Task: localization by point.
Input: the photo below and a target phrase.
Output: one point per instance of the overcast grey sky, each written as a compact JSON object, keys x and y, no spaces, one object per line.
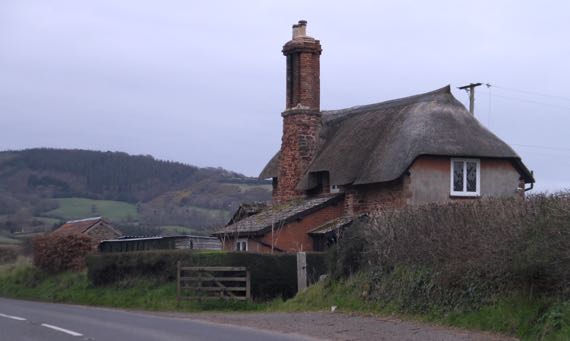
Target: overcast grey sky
{"x":203,"y":82}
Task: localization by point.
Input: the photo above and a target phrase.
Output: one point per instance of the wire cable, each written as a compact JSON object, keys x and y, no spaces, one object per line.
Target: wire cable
{"x":531,"y":101}
{"x":530,"y":92}
{"x":542,"y":147}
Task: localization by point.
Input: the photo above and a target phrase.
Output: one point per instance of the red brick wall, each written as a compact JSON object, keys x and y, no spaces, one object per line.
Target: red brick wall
{"x":228,"y":244}
{"x":375,"y":197}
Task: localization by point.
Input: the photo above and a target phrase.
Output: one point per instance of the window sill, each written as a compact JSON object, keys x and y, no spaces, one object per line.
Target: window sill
{"x":464,"y":196}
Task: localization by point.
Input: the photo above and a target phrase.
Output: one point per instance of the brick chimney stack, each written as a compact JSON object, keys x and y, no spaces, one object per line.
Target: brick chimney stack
{"x":302,"y":116}
{"x":303,"y":74}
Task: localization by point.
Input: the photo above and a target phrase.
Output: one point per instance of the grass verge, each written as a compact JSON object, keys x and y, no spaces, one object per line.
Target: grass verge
{"x":23,"y":281}
{"x":4,"y":240}
{"x":539,"y":318}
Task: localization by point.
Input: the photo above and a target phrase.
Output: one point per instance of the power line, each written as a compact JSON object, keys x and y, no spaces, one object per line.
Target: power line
{"x":531,"y":101}
{"x":471,"y":87}
{"x":561,"y":155}
{"x":561,"y":160}
{"x":542,"y":147}
{"x":530,"y":92}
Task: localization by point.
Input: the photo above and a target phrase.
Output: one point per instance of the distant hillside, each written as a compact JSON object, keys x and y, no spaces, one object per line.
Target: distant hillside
{"x":34,"y":181}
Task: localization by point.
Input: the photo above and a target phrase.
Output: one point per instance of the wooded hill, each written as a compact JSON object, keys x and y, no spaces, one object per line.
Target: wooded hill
{"x":41,"y":187}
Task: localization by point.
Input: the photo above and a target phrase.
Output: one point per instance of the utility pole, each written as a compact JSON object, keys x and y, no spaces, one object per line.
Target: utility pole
{"x":471,"y":90}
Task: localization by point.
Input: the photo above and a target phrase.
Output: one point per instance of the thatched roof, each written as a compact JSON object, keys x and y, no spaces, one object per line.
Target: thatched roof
{"x":277,"y":216}
{"x":379,"y":142}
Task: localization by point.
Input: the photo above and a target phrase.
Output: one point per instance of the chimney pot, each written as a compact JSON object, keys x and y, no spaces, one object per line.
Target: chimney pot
{"x":300,"y":29}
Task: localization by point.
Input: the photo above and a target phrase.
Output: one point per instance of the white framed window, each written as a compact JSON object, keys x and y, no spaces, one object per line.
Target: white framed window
{"x":335,"y":189}
{"x":465,"y":177}
{"x":241,"y":245}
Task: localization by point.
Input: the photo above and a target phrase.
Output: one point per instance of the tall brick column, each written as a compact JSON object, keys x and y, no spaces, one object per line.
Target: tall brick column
{"x":302,"y":117}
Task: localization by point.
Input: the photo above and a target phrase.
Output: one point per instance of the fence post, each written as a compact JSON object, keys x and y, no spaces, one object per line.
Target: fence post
{"x":301,"y":271}
{"x":248,"y":285}
{"x":178,"y":281}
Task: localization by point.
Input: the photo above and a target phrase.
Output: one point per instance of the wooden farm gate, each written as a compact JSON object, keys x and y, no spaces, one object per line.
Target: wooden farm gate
{"x":212,"y":282}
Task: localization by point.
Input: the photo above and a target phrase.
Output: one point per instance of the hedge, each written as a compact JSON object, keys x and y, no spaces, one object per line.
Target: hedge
{"x":461,"y":254}
{"x":271,"y":275}
{"x":7,"y":255}
{"x":56,"y":253}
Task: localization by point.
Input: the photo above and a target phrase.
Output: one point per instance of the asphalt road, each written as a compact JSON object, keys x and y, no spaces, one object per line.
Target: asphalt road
{"x":34,"y":321}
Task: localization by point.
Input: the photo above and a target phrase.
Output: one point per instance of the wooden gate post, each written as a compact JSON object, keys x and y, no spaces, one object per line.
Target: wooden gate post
{"x":178,"y":281}
{"x":301,"y":271}
{"x":248,"y":285}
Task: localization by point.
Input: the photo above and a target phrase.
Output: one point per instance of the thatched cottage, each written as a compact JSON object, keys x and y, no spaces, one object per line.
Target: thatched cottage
{"x":336,"y":165}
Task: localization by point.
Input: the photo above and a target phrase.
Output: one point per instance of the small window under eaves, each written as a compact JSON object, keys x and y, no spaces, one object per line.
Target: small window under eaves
{"x":465,"y":177}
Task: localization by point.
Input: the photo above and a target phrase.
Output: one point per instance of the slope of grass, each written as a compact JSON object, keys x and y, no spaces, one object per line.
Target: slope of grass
{"x":245,"y":187}
{"x":48,"y":221}
{"x":175,"y":229}
{"x":539,"y":318}
{"x":77,"y":208}
{"x":212,"y":212}
{"x":23,"y":281}
{"x":8,"y":240}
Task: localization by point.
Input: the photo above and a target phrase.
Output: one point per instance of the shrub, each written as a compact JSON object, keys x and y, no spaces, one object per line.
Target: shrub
{"x":27,"y":247}
{"x":271,"y":275}
{"x":55,"y":253}
{"x":7,"y":255}
{"x":466,"y":252}
{"x":348,"y":256}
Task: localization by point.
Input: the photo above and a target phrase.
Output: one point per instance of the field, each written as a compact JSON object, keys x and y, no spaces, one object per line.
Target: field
{"x":7,"y":240}
{"x":212,"y":212}
{"x":174,"y":229}
{"x":48,"y":221}
{"x":77,"y":208}
{"x":245,"y":187}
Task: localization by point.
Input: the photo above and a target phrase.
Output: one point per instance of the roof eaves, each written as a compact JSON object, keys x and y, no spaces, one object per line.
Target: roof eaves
{"x":299,"y":215}
{"x":83,"y":220}
{"x":280,"y":222}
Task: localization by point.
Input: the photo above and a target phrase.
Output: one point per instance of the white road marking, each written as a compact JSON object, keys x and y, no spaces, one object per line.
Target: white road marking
{"x":67,"y":331}
{"x":13,"y":317}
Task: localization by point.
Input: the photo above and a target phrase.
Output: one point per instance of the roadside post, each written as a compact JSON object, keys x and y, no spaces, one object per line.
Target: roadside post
{"x":301,"y":271}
